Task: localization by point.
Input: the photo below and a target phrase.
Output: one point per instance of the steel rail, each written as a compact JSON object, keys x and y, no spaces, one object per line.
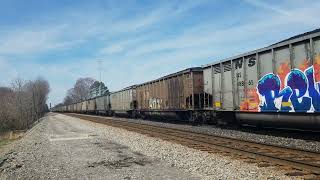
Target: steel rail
{"x":204,"y":134}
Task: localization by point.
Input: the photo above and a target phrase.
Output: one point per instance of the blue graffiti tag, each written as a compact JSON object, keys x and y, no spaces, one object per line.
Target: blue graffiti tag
{"x":300,"y":94}
{"x":313,"y":86}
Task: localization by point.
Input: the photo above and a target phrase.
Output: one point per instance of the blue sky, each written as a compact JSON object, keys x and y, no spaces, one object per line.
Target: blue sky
{"x":136,"y":40}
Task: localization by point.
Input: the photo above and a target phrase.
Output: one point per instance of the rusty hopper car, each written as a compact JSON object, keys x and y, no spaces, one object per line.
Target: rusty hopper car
{"x":176,"y":95}
{"x":273,"y":86}
{"x":124,"y":101}
{"x":103,"y":104}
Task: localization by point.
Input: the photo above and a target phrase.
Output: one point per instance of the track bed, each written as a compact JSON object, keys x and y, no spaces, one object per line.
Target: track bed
{"x":296,"y":162}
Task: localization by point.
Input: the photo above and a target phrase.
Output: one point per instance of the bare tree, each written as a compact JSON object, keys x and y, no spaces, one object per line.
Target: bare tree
{"x":42,"y":90}
{"x":74,"y":97}
{"x":80,"y":91}
{"x":22,"y":104}
{"x":6,"y":108}
{"x":68,"y":100}
{"x":82,"y":87}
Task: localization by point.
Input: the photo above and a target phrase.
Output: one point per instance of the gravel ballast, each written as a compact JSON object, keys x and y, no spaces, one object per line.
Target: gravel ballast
{"x":63,"y":147}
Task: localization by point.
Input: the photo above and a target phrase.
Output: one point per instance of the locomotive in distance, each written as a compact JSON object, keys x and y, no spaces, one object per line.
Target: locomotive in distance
{"x":275,"y":86}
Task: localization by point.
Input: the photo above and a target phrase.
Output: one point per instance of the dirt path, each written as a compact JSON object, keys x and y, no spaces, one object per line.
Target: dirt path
{"x":59,"y":148}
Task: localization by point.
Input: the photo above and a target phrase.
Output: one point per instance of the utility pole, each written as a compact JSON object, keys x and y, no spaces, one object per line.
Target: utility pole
{"x":100,"y":69}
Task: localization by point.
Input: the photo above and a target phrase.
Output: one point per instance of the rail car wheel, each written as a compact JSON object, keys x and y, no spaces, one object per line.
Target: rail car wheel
{"x":206,"y":117}
{"x":194,"y":118}
{"x":220,"y":119}
{"x":225,"y":118}
{"x":189,"y":117}
{"x":200,"y":119}
{"x":182,"y":116}
{"x":143,"y":116}
{"x":133,"y":115}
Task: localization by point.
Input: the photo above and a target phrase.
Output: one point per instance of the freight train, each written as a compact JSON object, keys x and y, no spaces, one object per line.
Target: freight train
{"x":275,"y":86}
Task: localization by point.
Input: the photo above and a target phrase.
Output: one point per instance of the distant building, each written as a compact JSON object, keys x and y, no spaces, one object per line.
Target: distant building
{"x":98,"y":89}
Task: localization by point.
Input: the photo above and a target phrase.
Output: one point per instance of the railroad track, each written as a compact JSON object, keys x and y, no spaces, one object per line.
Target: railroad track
{"x":294,"y":161}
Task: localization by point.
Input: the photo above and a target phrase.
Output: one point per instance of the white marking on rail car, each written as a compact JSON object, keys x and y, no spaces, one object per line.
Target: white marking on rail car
{"x":66,"y":138}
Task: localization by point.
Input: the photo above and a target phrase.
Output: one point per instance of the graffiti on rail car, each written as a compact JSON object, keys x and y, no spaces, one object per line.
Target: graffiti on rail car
{"x":155,"y":103}
{"x":251,"y":102}
{"x":291,"y":90}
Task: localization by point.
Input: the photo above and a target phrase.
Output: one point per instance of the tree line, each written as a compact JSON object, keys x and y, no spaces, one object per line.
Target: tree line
{"x":23,"y":103}
{"x":79,"y":92}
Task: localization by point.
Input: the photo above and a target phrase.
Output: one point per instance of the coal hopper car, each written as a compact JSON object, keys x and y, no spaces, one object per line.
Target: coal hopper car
{"x":278,"y":85}
{"x":123,"y":102}
{"x":103,"y":105}
{"x":178,"y":95}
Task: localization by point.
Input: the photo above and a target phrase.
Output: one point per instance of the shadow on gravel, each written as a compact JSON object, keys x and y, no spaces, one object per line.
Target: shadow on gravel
{"x":110,"y":146}
{"x":126,"y":158}
{"x":8,"y":162}
{"x":122,"y":163}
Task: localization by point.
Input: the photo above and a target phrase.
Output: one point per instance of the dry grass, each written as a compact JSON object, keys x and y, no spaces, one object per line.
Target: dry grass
{"x":4,"y":142}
